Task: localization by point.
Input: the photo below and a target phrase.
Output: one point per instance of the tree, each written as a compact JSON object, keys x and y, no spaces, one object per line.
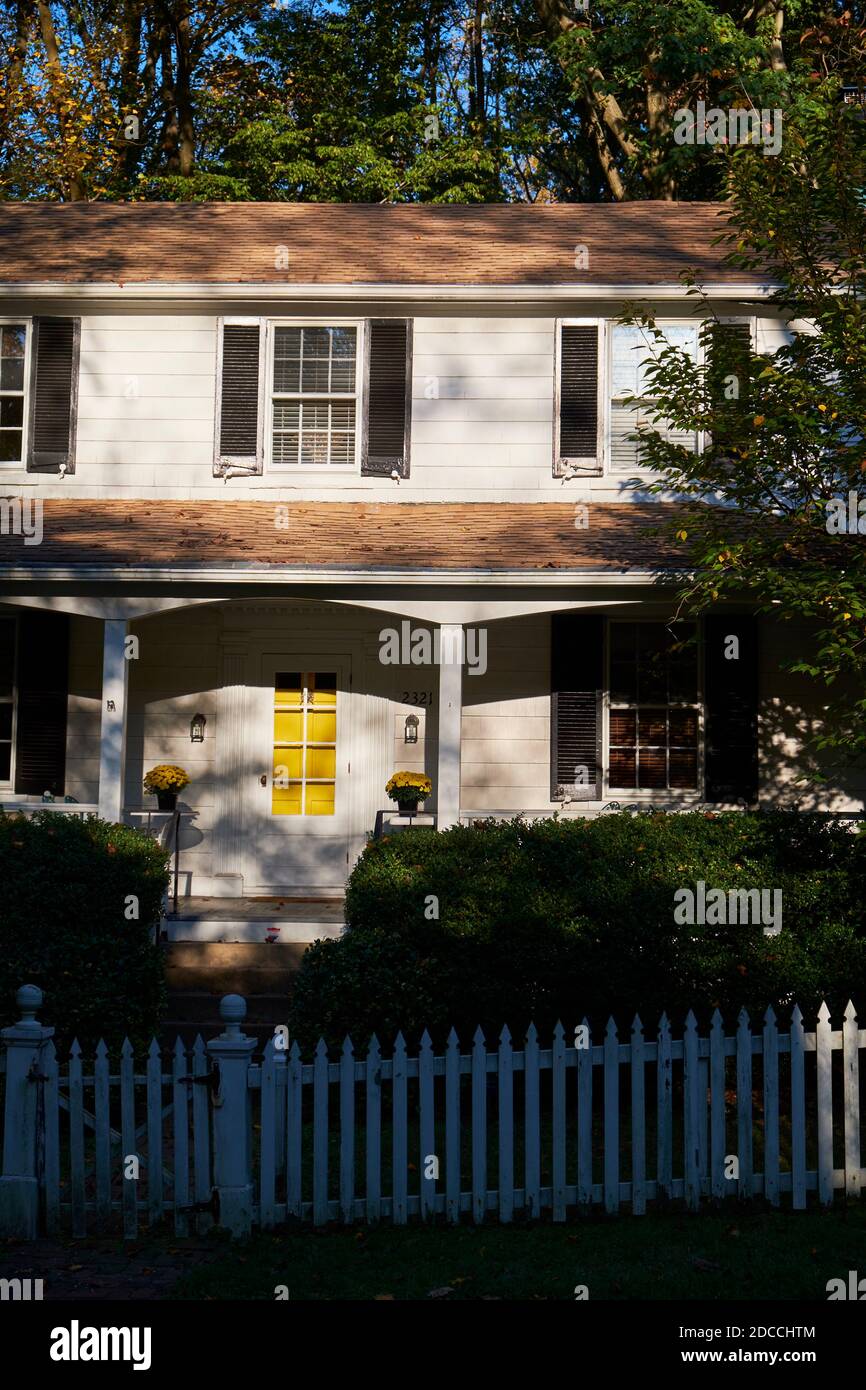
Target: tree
{"x":786,"y":458}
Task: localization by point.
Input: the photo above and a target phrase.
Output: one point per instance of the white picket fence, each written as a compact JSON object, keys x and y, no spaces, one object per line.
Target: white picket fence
{"x":217,"y":1135}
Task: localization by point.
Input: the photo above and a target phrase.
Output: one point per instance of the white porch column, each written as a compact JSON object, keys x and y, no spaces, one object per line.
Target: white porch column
{"x":451,"y":639}
{"x":112,"y":751}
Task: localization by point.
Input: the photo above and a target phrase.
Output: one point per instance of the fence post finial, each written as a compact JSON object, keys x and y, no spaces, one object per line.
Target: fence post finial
{"x":233,"y":1011}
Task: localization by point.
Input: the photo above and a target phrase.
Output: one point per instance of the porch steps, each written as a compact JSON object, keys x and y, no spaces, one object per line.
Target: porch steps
{"x":199,"y":973}
{"x":247,"y":920}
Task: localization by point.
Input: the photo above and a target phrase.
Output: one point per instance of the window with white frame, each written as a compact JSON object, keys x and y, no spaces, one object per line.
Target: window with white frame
{"x":631,"y":349}
{"x":315,"y":388}
{"x":13,"y":391}
{"x":7,"y":699}
{"x":654,"y":714}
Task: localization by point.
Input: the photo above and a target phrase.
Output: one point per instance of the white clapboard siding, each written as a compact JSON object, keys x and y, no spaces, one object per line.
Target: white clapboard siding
{"x":471,"y":386}
{"x":153,"y":384}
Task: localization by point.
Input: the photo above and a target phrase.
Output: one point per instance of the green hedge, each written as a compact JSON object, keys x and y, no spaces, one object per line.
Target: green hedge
{"x":561,"y":919}
{"x":66,"y":885}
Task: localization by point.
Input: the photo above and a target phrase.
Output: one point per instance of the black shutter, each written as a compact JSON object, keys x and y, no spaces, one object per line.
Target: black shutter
{"x":239,"y":438}
{"x":729,"y":350}
{"x":578,"y":397}
{"x":53,"y":395}
{"x":42,"y":697}
{"x":731,"y":704}
{"x":576,"y":683}
{"x":389,"y":398}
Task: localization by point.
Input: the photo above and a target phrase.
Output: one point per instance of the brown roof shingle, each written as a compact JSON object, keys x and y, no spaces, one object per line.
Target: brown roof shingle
{"x":384,"y":537}
{"x":328,"y":243}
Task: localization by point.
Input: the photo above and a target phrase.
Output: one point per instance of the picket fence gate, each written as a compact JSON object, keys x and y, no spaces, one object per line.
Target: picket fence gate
{"x":228,"y":1140}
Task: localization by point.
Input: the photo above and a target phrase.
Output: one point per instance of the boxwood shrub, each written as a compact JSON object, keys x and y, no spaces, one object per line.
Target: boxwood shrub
{"x":67,"y":886}
{"x":573,"y":918}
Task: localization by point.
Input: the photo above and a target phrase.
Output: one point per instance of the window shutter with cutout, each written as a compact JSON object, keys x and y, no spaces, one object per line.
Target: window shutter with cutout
{"x":576,"y":687}
{"x":389,"y":398}
{"x":53,"y":395}
{"x":577,"y":445}
{"x":239,"y":427}
{"x":42,"y":697}
{"x":731,"y":708}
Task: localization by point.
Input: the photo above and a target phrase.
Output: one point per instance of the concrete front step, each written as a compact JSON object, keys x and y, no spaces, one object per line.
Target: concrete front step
{"x":248,"y":920}
{"x":221,"y":968}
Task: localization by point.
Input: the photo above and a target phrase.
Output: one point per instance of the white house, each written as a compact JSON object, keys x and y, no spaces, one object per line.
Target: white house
{"x":278,"y":445}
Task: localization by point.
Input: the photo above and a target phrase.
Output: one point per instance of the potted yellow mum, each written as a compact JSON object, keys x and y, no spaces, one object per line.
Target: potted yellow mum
{"x":165,"y":781}
{"x":408,"y":789}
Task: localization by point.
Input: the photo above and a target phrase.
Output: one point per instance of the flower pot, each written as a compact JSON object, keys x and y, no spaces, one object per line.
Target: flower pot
{"x":166,"y":801}
{"x":408,"y":805}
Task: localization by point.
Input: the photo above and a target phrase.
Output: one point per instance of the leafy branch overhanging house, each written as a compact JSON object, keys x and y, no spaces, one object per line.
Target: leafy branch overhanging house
{"x":262,"y":435}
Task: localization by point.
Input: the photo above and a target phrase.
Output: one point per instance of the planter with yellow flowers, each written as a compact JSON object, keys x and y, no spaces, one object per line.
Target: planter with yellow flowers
{"x":165,"y":781}
{"x":408,"y":789}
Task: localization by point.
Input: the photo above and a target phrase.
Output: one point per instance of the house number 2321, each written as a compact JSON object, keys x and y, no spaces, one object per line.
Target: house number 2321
{"x":418,"y":697}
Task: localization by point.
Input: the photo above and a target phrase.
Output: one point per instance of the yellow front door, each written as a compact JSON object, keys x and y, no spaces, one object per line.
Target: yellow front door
{"x":305,"y":743}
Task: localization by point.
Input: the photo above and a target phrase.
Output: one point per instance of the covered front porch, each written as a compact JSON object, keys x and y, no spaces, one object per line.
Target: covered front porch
{"x":238,"y":690}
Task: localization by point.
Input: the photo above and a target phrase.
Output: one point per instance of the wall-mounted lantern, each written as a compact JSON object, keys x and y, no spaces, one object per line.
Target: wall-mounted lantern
{"x":410,"y":729}
{"x":196,"y":728}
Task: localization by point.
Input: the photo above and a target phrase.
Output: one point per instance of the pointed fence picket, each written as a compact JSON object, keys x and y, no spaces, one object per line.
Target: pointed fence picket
{"x":513,"y":1131}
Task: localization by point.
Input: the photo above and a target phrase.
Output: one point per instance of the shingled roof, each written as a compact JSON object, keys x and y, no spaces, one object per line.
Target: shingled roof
{"x":392,"y":537}
{"x":639,"y":243}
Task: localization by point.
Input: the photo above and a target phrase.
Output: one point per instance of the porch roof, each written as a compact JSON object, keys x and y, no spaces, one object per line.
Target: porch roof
{"x":410,"y":538}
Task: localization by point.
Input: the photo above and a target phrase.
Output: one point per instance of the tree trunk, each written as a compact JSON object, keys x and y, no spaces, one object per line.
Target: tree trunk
{"x":183,"y":94}
{"x":57,"y":81}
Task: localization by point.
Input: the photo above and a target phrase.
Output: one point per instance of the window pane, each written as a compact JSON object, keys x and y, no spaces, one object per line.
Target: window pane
{"x":6,"y":720}
{"x":12,"y":374}
{"x":684,"y":768}
{"x":652,"y":727}
{"x":288,"y":763}
{"x":5,"y":761}
{"x":684,"y":728}
{"x":12,"y":411}
{"x":13,"y":340}
{"x":652,"y":769}
{"x":325,"y":689}
{"x":10,"y":446}
{"x":321,"y":762}
{"x":622,"y":768}
{"x":622,"y":726}
{"x":288,"y":687}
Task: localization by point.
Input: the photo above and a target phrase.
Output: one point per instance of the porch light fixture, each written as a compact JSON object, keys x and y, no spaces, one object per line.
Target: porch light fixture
{"x":196,"y":728}
{"x":410,"y":729}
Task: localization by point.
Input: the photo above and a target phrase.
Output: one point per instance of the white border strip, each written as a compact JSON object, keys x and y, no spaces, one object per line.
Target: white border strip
{"x":518,"y":293}
{"x":259,"y":574}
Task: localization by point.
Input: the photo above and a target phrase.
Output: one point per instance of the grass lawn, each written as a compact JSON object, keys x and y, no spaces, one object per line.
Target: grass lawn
{"x":736,"y":1254}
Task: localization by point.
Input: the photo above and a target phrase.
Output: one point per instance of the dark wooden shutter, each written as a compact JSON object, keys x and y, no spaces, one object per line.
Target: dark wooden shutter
{"x":239,"y":435}
{"x":731,"y":707}
{"x":578,"y":397}
{"x":53,"y":395}
{"x":42,"y":697}
{"x":729,"y":355}
{"x":389,"y":398}
{"x":576,"y":681}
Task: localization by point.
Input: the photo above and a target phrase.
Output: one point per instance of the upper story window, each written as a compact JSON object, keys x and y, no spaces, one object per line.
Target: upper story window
{"x":315,"y":396}
{"x":631,"y":350}
{"x":13,"y":391}
{"x":653,"y":710}
{"x":7,"y":699}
